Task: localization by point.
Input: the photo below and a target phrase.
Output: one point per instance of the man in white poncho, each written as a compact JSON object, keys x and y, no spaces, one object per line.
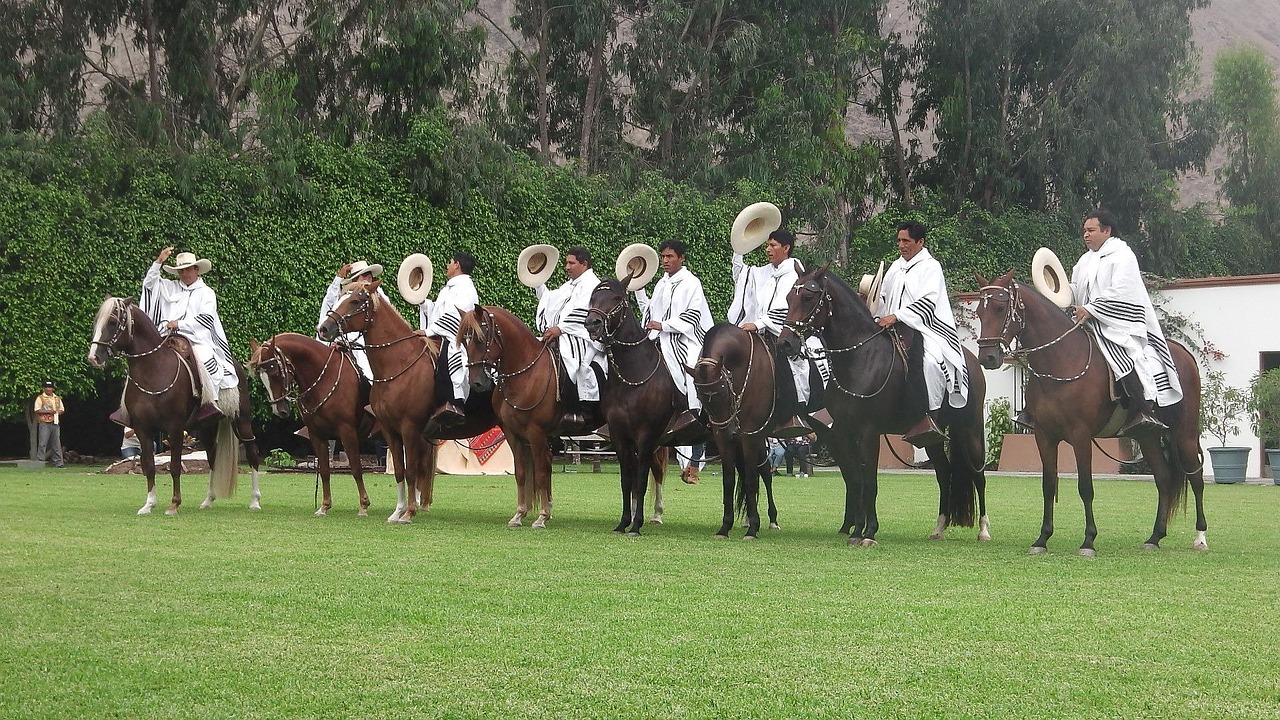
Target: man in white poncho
{"x":1112,"y":301}
{"x":914,"y":293}
{"x":561,"y":316}
{"x":442,"y":318}
{"x":347,"y":274}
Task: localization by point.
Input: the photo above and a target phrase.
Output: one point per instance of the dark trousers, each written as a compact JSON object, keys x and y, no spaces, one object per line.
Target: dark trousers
{"x":49,"y":440}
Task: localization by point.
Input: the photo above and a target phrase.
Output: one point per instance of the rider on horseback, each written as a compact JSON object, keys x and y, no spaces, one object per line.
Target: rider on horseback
{"x":347,"y":274}
{"x":678,"y":317}
{"x":188,"y":307}
{"x":562,"y":314}
{"x":442,"y":319}
{"x":1107,"y":288}
{"x":914,"y":293}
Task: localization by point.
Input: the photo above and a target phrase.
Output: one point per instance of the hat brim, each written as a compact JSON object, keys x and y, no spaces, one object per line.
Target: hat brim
{"x":626,"y":266}
{"x":536,"y":265}
{"x":372,"y":271}
{"x":203,"y":265}
{"x":873,"y":292}
{"x":1049,"y":277}
{"x":752,"y":226}
{"x":414,"y":278}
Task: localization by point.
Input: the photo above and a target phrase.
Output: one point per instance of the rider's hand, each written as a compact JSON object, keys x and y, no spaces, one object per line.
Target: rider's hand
{"x":1080,"y":313}
{"x":342,"y":271}
{"x":651,"y":325}
{"x":749,"y":327}
{"x":172,"y":325}
{"x":164,"y":254}
{"x":887,"y":321}
{"x":552,"y":332}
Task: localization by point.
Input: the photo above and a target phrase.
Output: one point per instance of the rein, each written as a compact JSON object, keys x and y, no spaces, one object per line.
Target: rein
{"x":366,"y":309}
{"x":124,"y":328}
{"x":807,"y":327}
{"x":735,"y":397}
{"x":1016,"y":308}
{"x":610,"y":339}
{"x":289,"y":378}
{"x":494,"y":367}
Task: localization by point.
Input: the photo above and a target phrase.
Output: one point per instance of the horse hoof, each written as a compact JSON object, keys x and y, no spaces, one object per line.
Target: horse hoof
{"x":171,"y":512}
{"x":539,"y":524}
{"x":254,"y":505}
{"x":869,"y":542}
{"x":1088,"y":552}
{"x":984,"y":536}
{"x":144,"y":510}
{"x":633,"y":533}
{"x":774,"y":526}
{"x":363,"y":513}
{"x":855,"y":541}
{"x":655,"y":521}
{"x":1150,"y":547}
{"x":935,"y":536}
{"x":719,"y":536}
{"x":405,"y":519}
{"x":1200,"y":546}
{"x":1038,"y":550}
{"x":206,"y":505}
{"x":748,"y":538}
{"x":320,"y":513}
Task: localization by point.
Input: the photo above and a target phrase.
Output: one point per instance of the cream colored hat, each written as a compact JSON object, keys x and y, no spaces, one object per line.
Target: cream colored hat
{"x":869,"y":288}
{"x":414,"y":278}
{"x":1050,"y":278}
{"x":752,"y":226}
{"x":186,"y":260}
{"x":361,"y":267}
{"x":639,"y":262}
{"x":536,"y":264}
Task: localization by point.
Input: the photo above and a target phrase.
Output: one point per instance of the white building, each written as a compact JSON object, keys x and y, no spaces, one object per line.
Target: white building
{"x":1239,"y":316}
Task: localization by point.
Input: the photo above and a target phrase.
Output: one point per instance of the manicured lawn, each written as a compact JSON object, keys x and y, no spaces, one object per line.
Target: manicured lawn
{"x":227,"y":613}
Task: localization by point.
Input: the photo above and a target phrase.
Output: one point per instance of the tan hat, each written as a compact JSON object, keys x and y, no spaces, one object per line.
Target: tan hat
{"x":638,"y":262}
{"x":414,"y":278}
{"x":1050,"y":278}
{"x":869,"y":288}
{"x":361,"y":267}
{"x":536,"y":264}
{"x":752,"y":226}
{"x":186,"y":260}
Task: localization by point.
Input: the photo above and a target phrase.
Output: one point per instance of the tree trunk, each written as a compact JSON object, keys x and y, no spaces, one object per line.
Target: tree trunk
{"x":590,"y":106}
{"x":544,"y":93}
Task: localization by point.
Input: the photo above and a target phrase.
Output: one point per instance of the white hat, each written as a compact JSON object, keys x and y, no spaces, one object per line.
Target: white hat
{"x":361,"y":267}
{"x":536,"y":264}
{"x":870,"y":287}
{"x":186,"y":260}
{"x":637,"y":261}
{"x":1049,"y":278}
{"x":752,"y":226}
{"x":414,"y":278}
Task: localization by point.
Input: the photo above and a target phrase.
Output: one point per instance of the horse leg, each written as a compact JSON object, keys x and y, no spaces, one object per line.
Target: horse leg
{"x":351,"y":444}
{"x":395,"y":455}
{"x":1191,"y":467}
{"x":942,"y":473}
{"x":849,"y":460}
{"x":148,"y":445}
{"x":1048,"y":450}
{"x":730,"y":462}
{"x":209,"y":441}
{"x":866,"y":522}
{"x":320,"y":447}
{"x":175,"y":470}
{"x":767,"y":473}
{"x":626,"y":478}
{"x":244,"y":430}
{"x":1084,"y":482}
{"x":427,"y":480}
{"x":523,"y":456}
{"x":1166,"y":490}
{"x":540,"y":455}
{"x":658,"y":471}
{"x":753,"y":457}
{"x":413,"y":458}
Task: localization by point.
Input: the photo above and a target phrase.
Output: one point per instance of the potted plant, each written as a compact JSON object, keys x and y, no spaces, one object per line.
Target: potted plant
{"x":1264,"y":401}
{"x":1222,"y":410}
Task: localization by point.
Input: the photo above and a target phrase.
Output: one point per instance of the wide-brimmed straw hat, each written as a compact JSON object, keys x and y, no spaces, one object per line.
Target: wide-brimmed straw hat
{"x":638,"y":262}
{"x":414,"y":278}
{"x":869,"y":287}
{"x":752,"y":226}
{"x":359,"y":268}
{"x":1050,"y":278}
{"x":536,"y":265}
{"x":186,"y":260}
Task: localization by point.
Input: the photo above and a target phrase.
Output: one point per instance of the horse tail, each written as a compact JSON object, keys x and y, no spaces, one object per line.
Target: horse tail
{"x":962,"y":491}
{"x":658,"y":466}
{"x":223,"y":471}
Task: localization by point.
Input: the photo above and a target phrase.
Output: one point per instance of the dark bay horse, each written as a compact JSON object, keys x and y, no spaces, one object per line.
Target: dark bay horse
{"x":162,"y":392}
{"x":734,"y":377}
{"x":1069,"y":396}
{"x":324,"y":382}
{"x":638,"y":397}
{"x":403,"y":394}
{"x":866,"y":399}
{"x":506,"y":357}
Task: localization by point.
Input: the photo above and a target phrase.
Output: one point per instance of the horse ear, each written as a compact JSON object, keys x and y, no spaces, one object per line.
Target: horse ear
{"x":1008,"y":276}
{"x":982,"y":280}
{"x":254,"y":345}
{"x":822,"y":271}
{"x":128,"y":301}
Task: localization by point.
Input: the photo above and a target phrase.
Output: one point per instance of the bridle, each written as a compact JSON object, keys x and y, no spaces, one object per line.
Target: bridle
{"x":493,"y":367}
{"x":724,"y":384}
{"x":124,"y":328}
{"x":280,"y":365}
{"x":610,"y":331}
{"x":366,"y":310}
{"x":1016,"y":314}
{"x":811,"y":325}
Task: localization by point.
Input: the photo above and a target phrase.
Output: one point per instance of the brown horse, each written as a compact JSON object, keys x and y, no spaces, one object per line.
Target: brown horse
{"x":162,"y":393}
{"x":1069,"y":396}
{"x":403,"y":395}
{"x":324,"y":382}
{"x":505,"y":357}
{"x":734,"y":377}
{"x":639,"y":399}
{"x":866,"y":399}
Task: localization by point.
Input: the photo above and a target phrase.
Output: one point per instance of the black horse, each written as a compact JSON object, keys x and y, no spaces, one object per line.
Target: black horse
{"x":638,"y":397}
{"x":866,"y":399}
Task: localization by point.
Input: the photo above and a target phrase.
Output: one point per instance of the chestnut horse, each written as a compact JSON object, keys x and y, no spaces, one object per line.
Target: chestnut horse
{"x":639,"y":399}
{"x":734,"y":377}
{"x":325,"y":384}
{"x":403,"y":395}
{"x":162,"y":392}
{"x":866,"y":399}
{"x":1069,"y":397}
{"x":505,"y":357}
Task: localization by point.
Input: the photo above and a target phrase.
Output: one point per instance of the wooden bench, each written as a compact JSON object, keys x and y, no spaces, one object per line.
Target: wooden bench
{"x":592,"y":446}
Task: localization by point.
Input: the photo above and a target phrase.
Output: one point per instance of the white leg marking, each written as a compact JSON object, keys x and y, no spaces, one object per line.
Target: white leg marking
{"x":939,"y":527}
{"x":984,"y":528}
{"x":149,"y":504}
{"x":254,"y":504}
{"x":1201,"y":542}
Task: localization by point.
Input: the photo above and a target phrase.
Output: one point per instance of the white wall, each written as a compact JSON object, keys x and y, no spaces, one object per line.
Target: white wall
{"x":1240,"y":316}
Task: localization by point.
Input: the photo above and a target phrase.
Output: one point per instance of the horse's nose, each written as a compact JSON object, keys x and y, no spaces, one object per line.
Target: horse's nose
{"x":593,"y":326}
{"x":327,"y":331}
{"x":990,"y":359}
{"x":280,"y":409}
{"x":483,"y":385}
{"x":789,"y":345}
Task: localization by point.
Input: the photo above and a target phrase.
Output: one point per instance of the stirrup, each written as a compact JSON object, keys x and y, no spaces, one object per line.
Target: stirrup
{"x":1140,"y":423}
{"x":449,"y":414}
{"x":207,"y":411}
{"x":1023,"y":418}
{"x":118,"y":417}
{"x":794,"y":427}
{"x":687,"y":428}
{"x":924,"y":433}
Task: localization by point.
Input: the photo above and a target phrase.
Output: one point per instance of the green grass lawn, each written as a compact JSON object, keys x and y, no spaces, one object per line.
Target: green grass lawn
{"x":232,"y":614}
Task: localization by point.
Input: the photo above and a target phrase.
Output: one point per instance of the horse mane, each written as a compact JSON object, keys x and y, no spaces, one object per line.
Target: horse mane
{"x":469,"y":324}
{"x":839,"y":290}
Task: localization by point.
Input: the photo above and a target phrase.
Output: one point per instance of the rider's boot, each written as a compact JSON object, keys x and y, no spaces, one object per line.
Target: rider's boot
{"x":924,"y":433}
{"x":1142,"y":416}
{"x":207,"y":411}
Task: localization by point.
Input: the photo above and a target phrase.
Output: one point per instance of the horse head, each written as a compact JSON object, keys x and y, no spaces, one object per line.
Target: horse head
{"x":271,"y":366}
{"x":112,"y":330}
{"x":353,"y":313}
{"x":605,"y":314}
{"x":808,"y":310}
{"x":479,"y":335}
{"x":1000,"y":318}
{"x":714,"y":389}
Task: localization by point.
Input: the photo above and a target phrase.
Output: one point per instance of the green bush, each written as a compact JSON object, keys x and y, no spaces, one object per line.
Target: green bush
{"x":999,"y":424}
